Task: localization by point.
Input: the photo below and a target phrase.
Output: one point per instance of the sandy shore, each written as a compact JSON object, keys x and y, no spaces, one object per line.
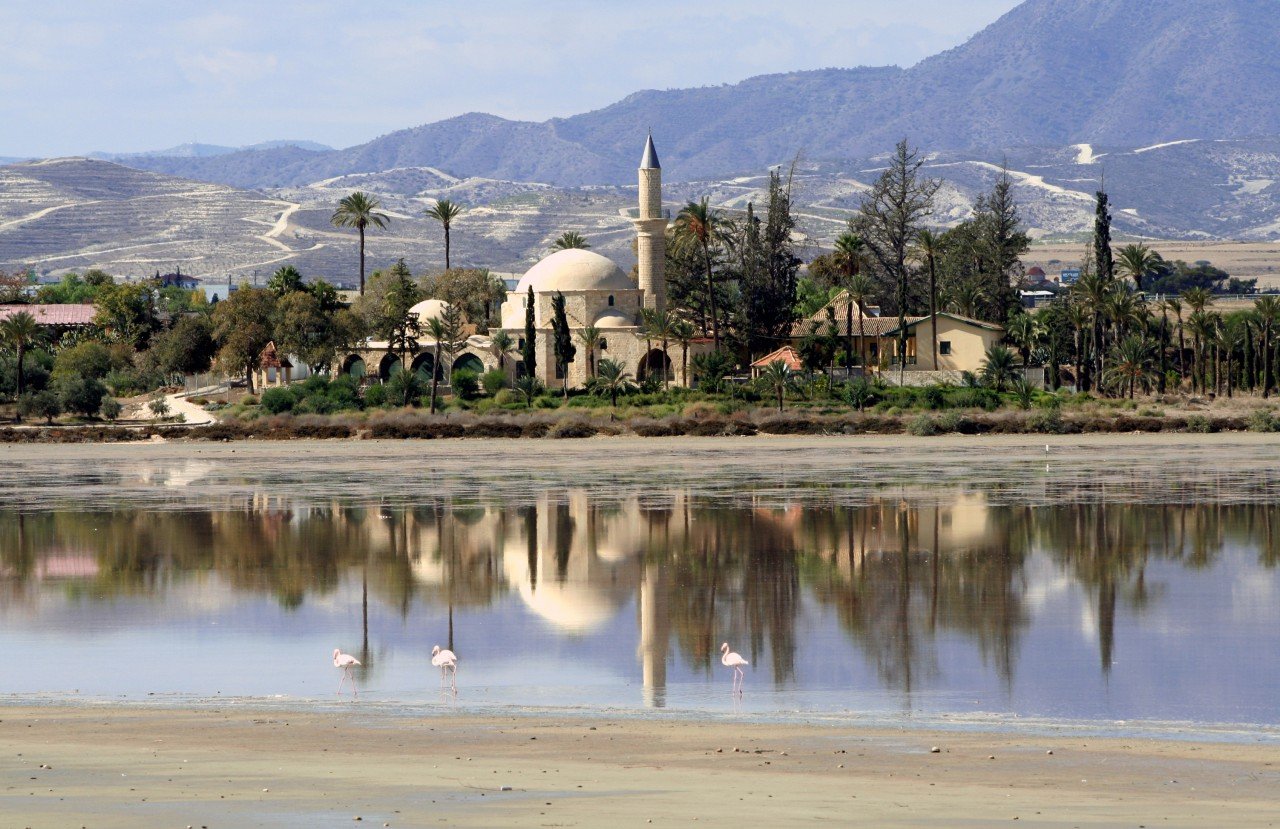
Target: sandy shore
{"x":135,"y":767}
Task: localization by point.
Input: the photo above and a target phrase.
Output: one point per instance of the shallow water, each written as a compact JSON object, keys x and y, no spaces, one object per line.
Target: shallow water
{"x":1088,"y":584}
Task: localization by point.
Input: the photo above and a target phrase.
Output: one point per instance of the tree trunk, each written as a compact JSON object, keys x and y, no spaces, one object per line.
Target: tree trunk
{"x":933,"y":309}
{"x":711,"y":297}
{"x":666,"y":361}
{"x":848,"y":331}
{"x":435,"y":377}
{"x":22,"y":356}
{"x":1266,"y":361}
{"x":448,"y":265}
{"x":361,"y":260}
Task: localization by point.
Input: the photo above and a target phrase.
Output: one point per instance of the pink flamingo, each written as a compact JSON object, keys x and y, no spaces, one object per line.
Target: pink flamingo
{"x":347,"y":663}
{"x":446,"y":660}
{"x":733,"y":660}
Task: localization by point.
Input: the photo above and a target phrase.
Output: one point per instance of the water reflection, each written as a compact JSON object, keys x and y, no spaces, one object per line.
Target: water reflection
{"x":933,"y":594}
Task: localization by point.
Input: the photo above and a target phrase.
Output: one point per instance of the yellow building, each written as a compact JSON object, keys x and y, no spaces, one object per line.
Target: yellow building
{"x":963,"y":343}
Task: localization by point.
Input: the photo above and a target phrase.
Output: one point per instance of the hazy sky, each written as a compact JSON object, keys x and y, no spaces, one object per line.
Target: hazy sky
{"x":127,"y":75}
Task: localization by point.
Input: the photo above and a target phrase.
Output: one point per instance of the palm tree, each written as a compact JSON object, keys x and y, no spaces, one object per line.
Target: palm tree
{"x":999,"y":368}
{"x":1078,"y":317}
{"x":444,"y":212}
{"x":359,"y":210}
{"x":1021,"y":330}
{"x":570,"y":240}
{"x":1137,"y":262}
{"x":684,"y":333}
{"x":590,"y":339}
{"x":776,"y":377}
{"x":502,"y":344}
{"x":1174,"y":306}
{"x":698,"y":223}
{"x":966,"y":298}
{"x":613,"y":378}
{"x":1130,"y":364}
{"x":851,"y":252}
{"x":1204,"y":330}
{"x":660,"y":325}
{"x":1268,"y":311}
{"x":285,"y":280}
{"x":20,"y":330}
{"x":438,"y":330}
{"x":1094,"y":291}
{"x":860,"y":289}
{"x":928,"y":249}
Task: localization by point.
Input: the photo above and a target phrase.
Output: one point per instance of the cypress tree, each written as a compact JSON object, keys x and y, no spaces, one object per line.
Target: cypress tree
{"x":562,"y":340}
{"x":530,"y":352}
{"x":1102,"y":238}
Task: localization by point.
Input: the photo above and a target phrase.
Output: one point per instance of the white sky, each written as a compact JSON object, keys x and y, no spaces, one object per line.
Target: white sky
{"x":131,"y":75}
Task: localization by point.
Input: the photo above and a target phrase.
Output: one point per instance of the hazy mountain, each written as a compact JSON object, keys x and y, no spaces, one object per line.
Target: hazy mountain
{"x":194,"y":150}
{"x":1048,"y":73}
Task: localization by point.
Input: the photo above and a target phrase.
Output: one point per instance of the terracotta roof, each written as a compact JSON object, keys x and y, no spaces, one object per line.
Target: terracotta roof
{"x":871,"y":326}
{"x":914,"y":321}
{"x":786,"y":354}
{"x":79,"y":314}
{"x":271,"y":358}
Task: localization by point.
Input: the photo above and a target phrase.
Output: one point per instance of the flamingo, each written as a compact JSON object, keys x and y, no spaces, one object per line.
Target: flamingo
{"x":734,"y":660}
{"x":346,"y":662}
{"x":445,"y":660}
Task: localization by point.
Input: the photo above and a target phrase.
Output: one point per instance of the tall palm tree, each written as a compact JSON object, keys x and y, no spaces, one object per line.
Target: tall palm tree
{"x":613,"y":378}
{"x":1021,"y":330}
{"x":1078,"y":317}
{"x":590,"y":339}
{"x":502,"y":343}
{"x":1204,"y":329}
{"x":1137,"y":262}
{"x":570,"y":240}
{"x":1174,"y":306}
{"x":928,"y":249}
{"x":1268,"y":311}
{"x":20,"y":331}
{"x":1094,"y":290}
{"x":444,"y":212}
{"x":438,"y":330}
{"x":860,"y":289}
{"x":698,"y":224}
{"x":1130,"y":364}
{"x":361,"y":211}
{"x":776,"y":377}
{"x":683,"y":332}
{"x":851,"y":252}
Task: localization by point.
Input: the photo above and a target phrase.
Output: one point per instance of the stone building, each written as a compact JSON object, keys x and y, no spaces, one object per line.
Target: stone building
{"x":597,"y":293}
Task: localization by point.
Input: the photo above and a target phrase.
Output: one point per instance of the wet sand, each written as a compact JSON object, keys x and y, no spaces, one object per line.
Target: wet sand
{"x":141,"y":767}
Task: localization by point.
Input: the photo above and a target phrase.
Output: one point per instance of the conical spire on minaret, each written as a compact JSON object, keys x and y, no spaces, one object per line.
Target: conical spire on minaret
{"x":650,"y":160}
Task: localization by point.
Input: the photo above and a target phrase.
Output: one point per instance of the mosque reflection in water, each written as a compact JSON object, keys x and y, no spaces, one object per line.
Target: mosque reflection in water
{"x":899,"y":572}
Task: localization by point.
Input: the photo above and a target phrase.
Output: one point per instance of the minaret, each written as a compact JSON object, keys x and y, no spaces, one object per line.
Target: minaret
{"x":651,"y":231}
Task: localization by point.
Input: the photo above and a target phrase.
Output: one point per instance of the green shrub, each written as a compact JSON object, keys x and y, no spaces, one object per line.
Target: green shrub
{"x":159,"y":407}
{"x":279,"y":400}
{"x":40,"y":404}
{"x":80,"y":395}
{"x":572,"y":428}
{"x":1262,"y":420}
{"x":405,"y":389}
{"x":466,"y":384}
{"x":110,"y":408}
{"x":249,"y":400}
{"x":507,"y":397}
{"x":934,"y":397}
{"x":923,"y":426}
{"x":375,"y":396}
{"x":1047,"y":422}
{"x":493,"y":381}
{"x":1199,"y":424}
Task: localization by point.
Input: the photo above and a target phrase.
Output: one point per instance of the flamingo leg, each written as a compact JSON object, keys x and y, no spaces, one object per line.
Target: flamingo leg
{"x":355,"y":692}
{"x":453,"y":679}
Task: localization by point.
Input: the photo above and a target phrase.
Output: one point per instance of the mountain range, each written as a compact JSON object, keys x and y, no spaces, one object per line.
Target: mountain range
{"x":1049,"y":73}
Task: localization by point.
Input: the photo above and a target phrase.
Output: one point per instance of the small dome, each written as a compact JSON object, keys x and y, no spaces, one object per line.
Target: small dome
{"x":429,"y":309}
{"x":613,"y":318}
{"x":575,"y":270}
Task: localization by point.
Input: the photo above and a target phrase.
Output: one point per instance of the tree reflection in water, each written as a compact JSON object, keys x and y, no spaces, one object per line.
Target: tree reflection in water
{"x":901,"y":571}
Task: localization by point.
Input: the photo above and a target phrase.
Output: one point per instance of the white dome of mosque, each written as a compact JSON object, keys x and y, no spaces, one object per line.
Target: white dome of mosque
{"x":575,"y":270}
{"x":429,"y":309}
{"x":613,"y":318}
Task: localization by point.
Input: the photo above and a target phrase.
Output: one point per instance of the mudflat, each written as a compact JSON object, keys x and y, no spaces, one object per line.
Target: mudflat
{"x":105,"y":767}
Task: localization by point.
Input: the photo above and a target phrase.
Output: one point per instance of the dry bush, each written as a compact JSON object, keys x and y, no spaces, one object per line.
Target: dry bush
{"x":649,"y":428}
{"x":495,"y":427}
{"x":571,"y":427}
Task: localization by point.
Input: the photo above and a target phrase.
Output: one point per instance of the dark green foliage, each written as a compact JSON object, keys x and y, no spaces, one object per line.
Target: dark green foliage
{"x":110,"y":408}
{"x":405,"y":389}
{"x":562,"y":339}
{"x":466,"y":384}
{"x":80,"y":395}
{"x":375,"y":396}
{"x":279,"y":400}
{"x":493,"y":381}
{"x":1104,"y":264}
{"x":529,"y":353}
{"x":40,"y":404}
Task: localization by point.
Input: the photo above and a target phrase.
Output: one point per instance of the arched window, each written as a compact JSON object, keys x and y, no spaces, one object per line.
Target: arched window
{"x":610,"y":300}
{"x":603,"y":343}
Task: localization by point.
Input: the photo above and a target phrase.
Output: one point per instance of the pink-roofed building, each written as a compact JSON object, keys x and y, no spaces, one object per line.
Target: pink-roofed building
{"x":69,"y":316}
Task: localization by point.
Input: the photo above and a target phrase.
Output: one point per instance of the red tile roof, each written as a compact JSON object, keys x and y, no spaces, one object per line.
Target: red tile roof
{"x":53,"y":314}
{"x":786,"y":354}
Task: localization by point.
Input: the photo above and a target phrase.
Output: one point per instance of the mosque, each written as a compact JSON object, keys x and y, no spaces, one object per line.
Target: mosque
{"x":597,"y":293}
